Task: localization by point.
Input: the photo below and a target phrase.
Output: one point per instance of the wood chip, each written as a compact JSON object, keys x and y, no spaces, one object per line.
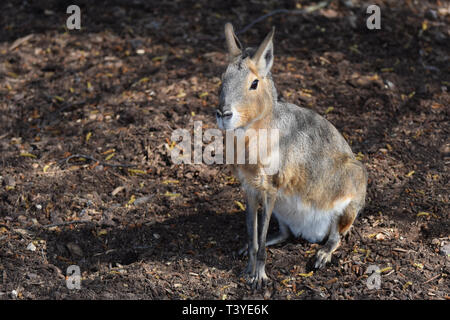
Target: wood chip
{"x":20,"y":41}
{"x":117,"y":190}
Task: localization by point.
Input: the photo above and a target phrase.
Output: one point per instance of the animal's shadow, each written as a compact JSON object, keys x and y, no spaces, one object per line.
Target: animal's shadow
{"x":207,"y":237}
{"x":210,"y":239}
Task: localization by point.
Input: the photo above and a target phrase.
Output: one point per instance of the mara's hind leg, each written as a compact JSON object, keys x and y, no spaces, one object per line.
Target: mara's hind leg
{"x":324,"y":254}
{"x":346,"y":220}
{"x":283,"y":234}
{"x":338,"y":228}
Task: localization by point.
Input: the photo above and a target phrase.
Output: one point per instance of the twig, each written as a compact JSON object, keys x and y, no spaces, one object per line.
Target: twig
{"x":433,"y":278}
{"x":102,"y":253}
{"x":5,"y":135}
{"x":309,"y":9}
{"x":312,"y":289}
{"x":20,"y":41}
{"x":66,"y":223}
{"x":400,"y":250}
{"x":114,"y":165}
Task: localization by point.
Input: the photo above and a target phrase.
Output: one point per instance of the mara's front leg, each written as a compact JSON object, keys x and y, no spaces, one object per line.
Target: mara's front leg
{"x":260,"y":278}
{"x":252,"y":233}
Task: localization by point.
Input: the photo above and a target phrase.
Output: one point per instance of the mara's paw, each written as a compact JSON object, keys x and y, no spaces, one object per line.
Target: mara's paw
{"x":257,"y":279}
{"x":260,"y":280}
{"x":322,"y":258}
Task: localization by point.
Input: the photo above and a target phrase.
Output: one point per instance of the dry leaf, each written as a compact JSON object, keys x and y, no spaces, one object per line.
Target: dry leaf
{"x":109,"y":151}
{"x":407,"y":284}
{"x":136,"y":171}
{"x":102,"y":232}
{"x":359,"y":156}
{"x":170,"y":182}
{"x":329,"y":109}
{"x":26,"y":154}
{"x":240,"y":205}
{"x":306,"y":275}
{"x":109,"y":156}
{"x":385,"y":269}
{"x":132,"y":199}
{"x":409,"y":174}
{"x":169,"y":194}
{"x":424,"y":25}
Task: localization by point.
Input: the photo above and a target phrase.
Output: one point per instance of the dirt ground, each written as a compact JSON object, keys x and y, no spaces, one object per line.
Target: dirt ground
{"x":115,"y":90}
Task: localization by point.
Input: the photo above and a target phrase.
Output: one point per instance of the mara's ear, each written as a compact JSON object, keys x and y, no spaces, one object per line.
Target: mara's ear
{"x":263,"y":58}
{"x":233,"y":44}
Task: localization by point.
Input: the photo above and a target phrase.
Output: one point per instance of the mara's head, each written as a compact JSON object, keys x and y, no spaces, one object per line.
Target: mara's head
{"x":247,"y":92}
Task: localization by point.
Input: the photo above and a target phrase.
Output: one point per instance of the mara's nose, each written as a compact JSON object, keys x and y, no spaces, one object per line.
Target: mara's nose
{"x":225,"y":115}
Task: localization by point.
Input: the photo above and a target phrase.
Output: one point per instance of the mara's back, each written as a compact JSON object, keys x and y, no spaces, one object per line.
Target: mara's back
{"x":307,"y":137}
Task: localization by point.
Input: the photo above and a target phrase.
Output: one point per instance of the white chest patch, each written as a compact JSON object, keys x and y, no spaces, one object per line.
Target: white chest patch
{"x":305,"y":221}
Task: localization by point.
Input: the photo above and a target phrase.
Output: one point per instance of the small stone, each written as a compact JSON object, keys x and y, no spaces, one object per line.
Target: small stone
{"x":31,"y":247}
{"x":389,"y":85}
{"x":380,"y":236}
{"x":140,"y":51}
{"x":14,"y":294}
{"x":445,"y":250}
{"x":38,"y":206}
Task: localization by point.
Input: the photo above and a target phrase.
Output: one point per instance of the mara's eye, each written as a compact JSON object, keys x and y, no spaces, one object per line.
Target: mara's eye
{"x":254,"y":84}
